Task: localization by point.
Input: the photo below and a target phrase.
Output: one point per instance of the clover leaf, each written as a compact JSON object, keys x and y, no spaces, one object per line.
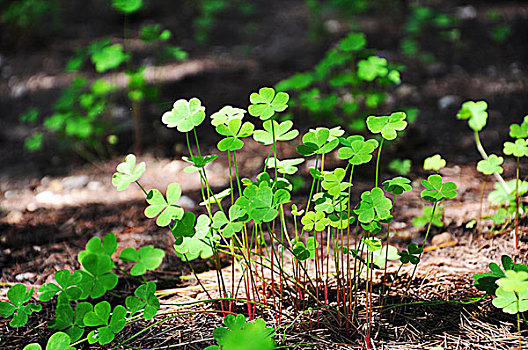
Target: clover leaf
{"x":240,"y":335}
{"x":353,"y":42}
{"x":227,"y":114}
{"x":286,"y":166}
{"x":379,"y":257}
{"x":96,"y":275}
{"x":517,"y":149}
{"x":371,"y":68}
{"x":319,"y":141}
{"x":519,"y":131}
{"x":329,"y":204}
{"x":357,"y":150}
{"x":64,"y":318}
{"x":373,"y":206}
{"x":257,"y":202}
{"x":510,"y":302}
{"x":67,"y":285}
{"x":487,"y":281}
{"x":400,"y":166}
{"x":334,"y":133}
{"x":274,"y":131}
{"x":127,"y":6}
{"x":499,"y":196}
{"x":144,"y":299}
{"x":185,"y":115}
{"x":18,"y":296}
{"x":315,"y":220}
{"x":304,"y":252}
{"x":514,"y":281}
{"x":228,"y":227}
{"x":333,"y":182}
{"x":147,"y":258}
{"x":476,"y":113}
{"x":127,"y":172}
{"x":109,"y":57}
{"x":198,"y":162}
{"x":166,"y":209}
{"x":436,"y":190}
{"x":435,"y":163}
{"x":106,"y":247}
{"x":199,"y":245}
{"x":58,"y":341}
{"x":234,"y":130}
{"x":412,"y":254}
{"x":265,"y":103}
{"x":387,"y":125}
{"x":491,"y":165}
{"x":107,"y":325}
{"x":397,"y":185}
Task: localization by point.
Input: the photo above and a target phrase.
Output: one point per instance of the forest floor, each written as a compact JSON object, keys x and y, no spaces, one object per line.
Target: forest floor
{"x":50,"y":206}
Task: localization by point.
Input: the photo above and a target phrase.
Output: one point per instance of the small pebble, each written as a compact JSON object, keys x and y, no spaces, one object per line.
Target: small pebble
{"x":14,"y":217}
{"x":25,"y":276}
{"x":443,"y":239}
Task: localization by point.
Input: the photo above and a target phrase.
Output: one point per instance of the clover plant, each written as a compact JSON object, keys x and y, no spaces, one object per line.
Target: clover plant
{"x":506,"y":193}
{"x":18,"y":306}
{"x":58,"y":341}
{"x":336,"y":87}
{"x":239,"y":334}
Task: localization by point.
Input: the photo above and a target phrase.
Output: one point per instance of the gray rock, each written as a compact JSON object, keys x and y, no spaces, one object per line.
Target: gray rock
{"x":466,"y":12}
{"x":448,"y":101}
{"x":72,"y":182}
{"x":186,"y":202}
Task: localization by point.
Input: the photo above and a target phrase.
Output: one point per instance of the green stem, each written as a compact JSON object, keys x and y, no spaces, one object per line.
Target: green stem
{"x":423,"y":245}
{"x":377,"y":161}
{"x":482,"y":152}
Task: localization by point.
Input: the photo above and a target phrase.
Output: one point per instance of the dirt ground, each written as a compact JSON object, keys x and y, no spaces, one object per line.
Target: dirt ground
{"x":52,"y":203}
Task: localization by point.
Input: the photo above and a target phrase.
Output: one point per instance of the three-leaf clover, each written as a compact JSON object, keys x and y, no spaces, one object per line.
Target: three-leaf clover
{"x":319,"y":141}
{"x":412,"y":254}
{"x":387,"y":125}
{"x":144,"y":299}
{"x":517,"y":149}
{"x":373,"y":206}
{"x":315,"y":220}
{"x":58,"y":341}
{"x":258,"y":203}
{"x":166,"y":209}
{"x":97,"y":277}
{"x":379,"y":257}
{"x":372,"y":67}
{"x":67,"y":285}
{"x":147,"y":258}
{"x":107,"y":325}
{"x":357,"y":150}
{"x":109,"y":57}
{"x":199,"y":245}
{"x":476,"y":113}
{"x":514,"y":281}
{"x":519,"y":131}
{"x":333,"y":182}
{"x":233,"y":131}
{"x":397,"y":185}
{"x":240,"y":335}
{"x":65,"y":321}
{"x":228,"y":227}
{"x":96,"y":246}
{"x":437,"y":190}
{"x":435,"y":163}
{"x":304,"y":252}
{"x":227,"y":114}
{"x":127,"y":172}
{"x":274,"y":131}
{"x":18,"y":296}
{"x":265,"y":103}
{"x":198,"y":162}
{"x":491,"y":165}
{"x":185,"y":115}
{"x":510,"y":302}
